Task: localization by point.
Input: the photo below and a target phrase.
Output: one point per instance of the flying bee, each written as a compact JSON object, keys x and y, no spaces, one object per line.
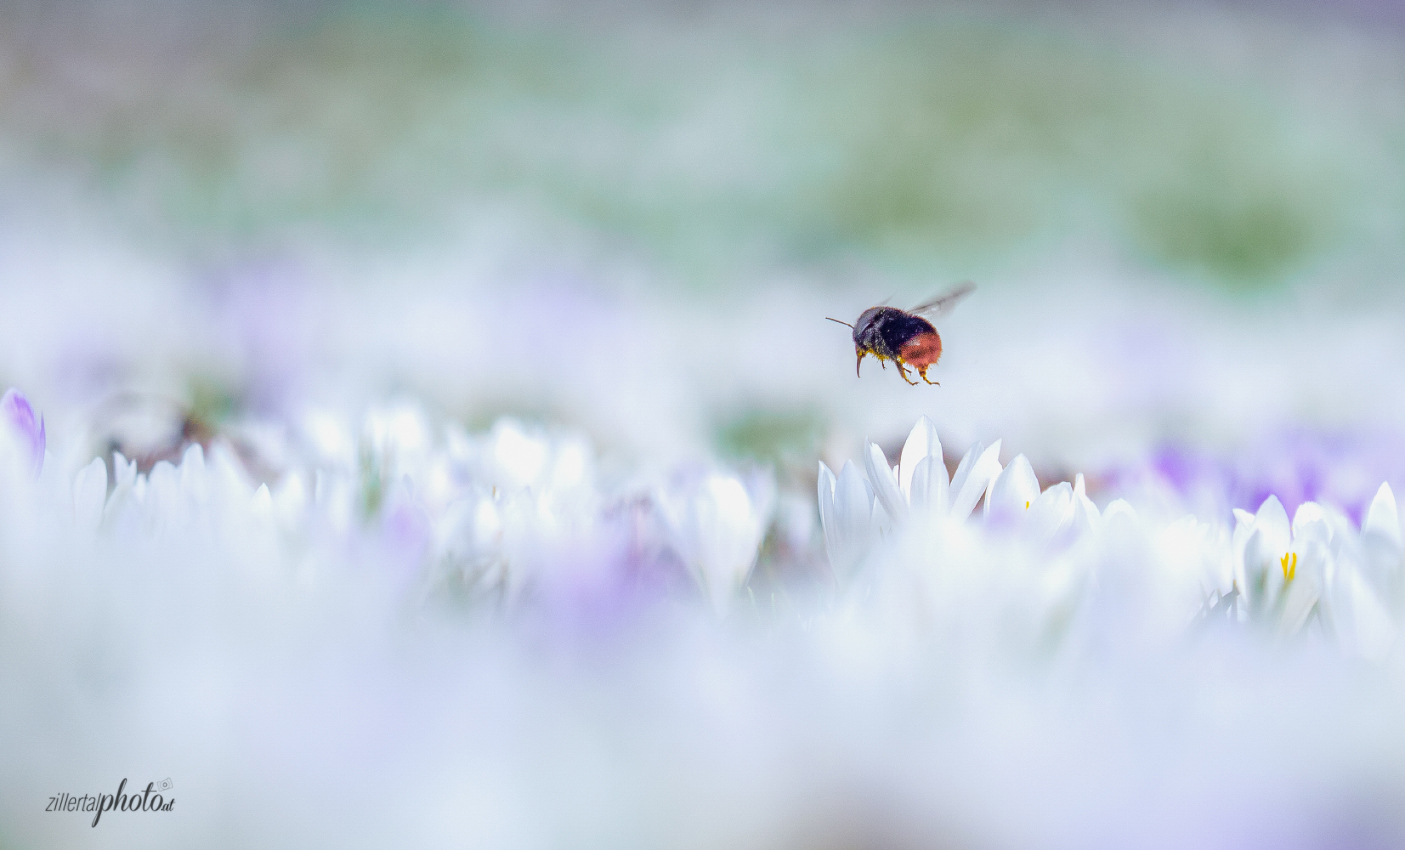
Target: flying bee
{"x":903,"y":336}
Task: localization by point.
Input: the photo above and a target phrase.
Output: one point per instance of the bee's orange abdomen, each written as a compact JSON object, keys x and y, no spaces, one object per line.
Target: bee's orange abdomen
{"x":922,"y":350}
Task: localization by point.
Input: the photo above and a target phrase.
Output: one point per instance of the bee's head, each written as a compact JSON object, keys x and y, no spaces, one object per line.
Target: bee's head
{"x":866,"y":326}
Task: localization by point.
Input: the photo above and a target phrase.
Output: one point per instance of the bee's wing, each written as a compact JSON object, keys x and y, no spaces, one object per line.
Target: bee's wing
{"x":944,"y":302}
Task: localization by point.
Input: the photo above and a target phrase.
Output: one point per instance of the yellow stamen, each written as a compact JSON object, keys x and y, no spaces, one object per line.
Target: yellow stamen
{"x":1289,"y":562}
{"x":1026,"y":505}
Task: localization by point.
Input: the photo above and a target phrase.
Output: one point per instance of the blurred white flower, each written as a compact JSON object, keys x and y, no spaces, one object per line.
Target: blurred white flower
{"x":515,"y":458}
{"x":855,"y":511}
{"x":850,"y":517}
{"x":1381,"y":551}
{"x":1201,"y":555}
{"x":330,"y":440}
{"x":1283,"y":579}
{"x":1319,"y":569}
{"x":717,"y":525}
{"x":1045,"y":584}
{"x":515,"y":509}
{"x":398,"y":433}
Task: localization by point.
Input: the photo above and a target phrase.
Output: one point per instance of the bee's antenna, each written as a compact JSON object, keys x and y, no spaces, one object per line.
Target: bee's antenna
{"x":836,"y":320}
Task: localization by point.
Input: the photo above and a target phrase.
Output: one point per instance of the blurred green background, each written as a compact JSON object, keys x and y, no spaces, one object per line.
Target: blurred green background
{"x":1239,"y":146}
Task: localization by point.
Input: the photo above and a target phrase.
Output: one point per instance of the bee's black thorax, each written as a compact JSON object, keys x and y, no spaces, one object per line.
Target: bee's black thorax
{"x":885,"y":330}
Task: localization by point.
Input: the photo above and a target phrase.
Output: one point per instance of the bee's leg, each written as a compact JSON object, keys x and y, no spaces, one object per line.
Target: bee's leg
{"x":923,"y":372}
{"x":857,"y":373}
{"x":903,"y":372}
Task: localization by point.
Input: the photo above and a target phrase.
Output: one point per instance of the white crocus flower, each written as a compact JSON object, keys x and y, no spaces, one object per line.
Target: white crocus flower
{"x":1200,"y":555}
{"x":399,"y":433}
{"x":514,"y":458}
{"x":850,"y":516}
{"x":1382,"y":549}
{"x":515,"y":508}
{"x":1319,"y":568}
{"x":854,"y":512}
{"x":1061,"y":513}
{"x":717,"y":528}
{"x":1365,"y":586}
{"x":473,"y":544}
{"x":329,"y":439}
{"x":1283,"y":579}
{"x":919,"y":480}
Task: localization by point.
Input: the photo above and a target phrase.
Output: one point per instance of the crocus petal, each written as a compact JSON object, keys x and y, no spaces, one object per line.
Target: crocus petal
{"x":879,"y":521}
{"x":1314,"y":563}
{"x":1120,"y":509}
{"x":1086,"y":516}
{"x":1272,"y":520}
{"x":853,"y":497}
{"x":290,"y":500}
{"x":978,"y":477}
{"x":885,"y":484}
{"x":1383,"y":518}
{"x":89,"y":493}
{"x":1310,"y":523}
{"x":922,"y":442}
{"x":1013,"y":490}
{"x":194,"y":484}
{"x":1307,"y":512}
{"x":852,"y":520}
{"x":124,"y":471}
{"x":929,"y":485}
{"x":963,"y":468}
{"x":1299,"y":597}
{"x":829,"y":525}
{"x":1366,"y":625}
{"x":717,"y":528}
{"x":518,"y":458}
{"x":1261,"y":554}
{"x":1051,"y":511}
{"x":1316,"y":531}
{"x":261,"y":505}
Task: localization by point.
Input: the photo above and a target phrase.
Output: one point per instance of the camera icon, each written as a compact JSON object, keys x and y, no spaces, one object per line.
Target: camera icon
{"x":165,"y":785}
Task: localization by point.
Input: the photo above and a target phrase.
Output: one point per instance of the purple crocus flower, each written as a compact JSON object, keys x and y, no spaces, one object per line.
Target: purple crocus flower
{"x":17,"y":412}
{"x":1296,"y":464}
